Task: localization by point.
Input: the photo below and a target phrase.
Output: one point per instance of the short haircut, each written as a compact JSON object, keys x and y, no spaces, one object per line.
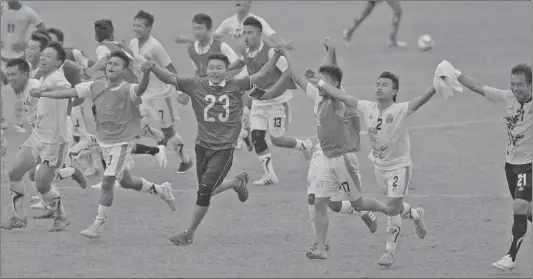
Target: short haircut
{"x":58,"y":33}
{"x":203,"y":19}
{"x":332,"y":71}
{"x":20,"y":63}
{"x":218,"y":56}
{"x":103,"y":29}
{"x":149,"y":18}
{"x":61,"y":55}
{"x":522,"y":69}
{"x":252,"y":21}
{"x":41,"y":38}
{"x":44,"y":33}
{"x":395,"y":81}
{"x":122,"y":55}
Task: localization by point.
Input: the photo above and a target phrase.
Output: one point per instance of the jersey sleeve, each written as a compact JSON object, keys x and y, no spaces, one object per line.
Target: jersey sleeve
{"x":224,"y":27}
{"x":228,"y":51}
{"x":33,"y":17}
{"x":84,"y":89}
{"x":61,"y":80}
{"x":244,"y":83}
{"x":311,"y":92}
{"x":496,"y":95}
{"x":161,"y":56}
{"x":282,"y":64}
{"x":102,"y":52}
{"x":403,"y":110}
{"x":267,"y":30}
{"x":186,"y":85}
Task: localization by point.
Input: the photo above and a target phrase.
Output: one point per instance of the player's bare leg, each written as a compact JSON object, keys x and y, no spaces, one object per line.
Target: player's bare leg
{"x":295,"y":143}
{"x":176,"y":143}
{"x":321,"y":228}
{"x":44,"y":177}
{"x":348,"y":33}
{"x":396,"y":18}
{"x":238,"y":184}
{"x":312,"y":219}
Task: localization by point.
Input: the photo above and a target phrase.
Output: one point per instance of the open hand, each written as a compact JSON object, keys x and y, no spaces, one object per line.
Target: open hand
{"x":147,"y":66}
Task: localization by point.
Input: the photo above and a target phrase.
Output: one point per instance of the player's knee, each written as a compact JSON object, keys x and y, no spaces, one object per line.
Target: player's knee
{"x":17,"y":187}
{"x":258,"y":139}
{"x":520,"y":206}
{"x":204,"y":195}
{"x":311,"y":199}
{"x":108,"y":182}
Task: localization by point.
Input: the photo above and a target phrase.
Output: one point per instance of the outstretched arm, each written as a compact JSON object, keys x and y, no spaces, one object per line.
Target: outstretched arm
{"x":267,"y":68}
{"x":471,"y":84}
{"x":419,"y":101}
{"x":185,"y":85}
{"x":298,"y":79}
{"x":59,"y":94}
{"x":334,"y":92}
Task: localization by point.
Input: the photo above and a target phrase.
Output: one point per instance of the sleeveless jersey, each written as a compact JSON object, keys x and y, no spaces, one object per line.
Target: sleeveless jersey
{"x":200,"y":60}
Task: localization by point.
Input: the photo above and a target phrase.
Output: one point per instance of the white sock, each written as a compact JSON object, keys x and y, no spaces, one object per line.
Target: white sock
{"x":266,"y":163}
{"x":149,"y":187}
{"x":410,"y":213}
{"x":394,"y":224}
{"x":101,"y":218}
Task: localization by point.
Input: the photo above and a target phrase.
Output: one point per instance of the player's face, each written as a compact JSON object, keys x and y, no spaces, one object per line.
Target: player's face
{"x":328,"y":80}
{"x":385,"y":89}
{"x":48,"y":60}
{"x":251,"y":35}
{"x":216,"y":70}
{"x":200,"y":31}
{"x":140,"y":28}
{"x":16,"y":78}
{"x":521,"y":89}
{"x":243,"y":6}
{"x":33,"y":51}
{"x":115,"y":68}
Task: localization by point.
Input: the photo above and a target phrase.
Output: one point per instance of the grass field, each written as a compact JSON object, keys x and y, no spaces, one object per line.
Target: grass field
{"x":457,"y":151}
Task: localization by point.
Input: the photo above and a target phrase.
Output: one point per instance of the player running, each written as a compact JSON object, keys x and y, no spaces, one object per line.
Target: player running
{"x":396,"y":17}
{"x":391,"y":149}
{"x":271,"y":113}
{"x":518,"y":117}
{"x":118,"y":120}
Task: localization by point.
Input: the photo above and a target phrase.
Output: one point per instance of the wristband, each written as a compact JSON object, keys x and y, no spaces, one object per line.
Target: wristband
{"x":320,"y":83}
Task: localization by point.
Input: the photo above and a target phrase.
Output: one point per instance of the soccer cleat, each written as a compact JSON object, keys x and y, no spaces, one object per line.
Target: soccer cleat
{"x":80,"y":178}
{"x":184,"y":167}
{"x":92,"y":232}
{"x":267,"y":180}
{"x":419,"y":225}
{"x":19,"y":128}
{"x":242,"y":190}
{"x":307,"y":146}
{"x":315,"y":247}
{"x":60,"y":224}
{"x":39,"y":205}
{"x":161,"y":157}
{"x":390,"y":43}
{"x":387,"y":259}
{"x":14,"y":223}
{"x":506,"y":263}
{"x":167,"y":195}
{"x":370,"y":220}
{"x":316,"y":255}
{"x":182,"y":239}
{"x":46,"y":214}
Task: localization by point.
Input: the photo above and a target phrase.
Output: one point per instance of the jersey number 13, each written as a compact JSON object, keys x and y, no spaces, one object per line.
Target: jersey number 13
{"x":212,"y":100}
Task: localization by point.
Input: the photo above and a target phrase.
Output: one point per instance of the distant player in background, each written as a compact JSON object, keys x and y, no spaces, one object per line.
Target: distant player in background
{"x":396,"y":17}
{"x":519,"y":119}
{"x":16,"y":21}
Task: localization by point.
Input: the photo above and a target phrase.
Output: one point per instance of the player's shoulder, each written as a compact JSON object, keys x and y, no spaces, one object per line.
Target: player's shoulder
{"x":33,"y":83}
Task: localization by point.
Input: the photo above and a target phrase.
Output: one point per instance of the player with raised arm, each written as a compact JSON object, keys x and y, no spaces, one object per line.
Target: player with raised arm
{"x":217,"y":103}
{"x":518,"y":118}
{"x":118,"y":121}
{"x":396,"y":17}
{"x":271,"y":113}
{"x":387,"y":123}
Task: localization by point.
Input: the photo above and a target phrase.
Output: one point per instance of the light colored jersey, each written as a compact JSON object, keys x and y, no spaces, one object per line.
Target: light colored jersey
{"x":233,"y":27}
{"x":51,"y":123}
{"x":15,"y":27}
{"x":156,"y":53}
{"x":29,"y":103}
{"x":518,"y":117}
{"x":388,"y":133}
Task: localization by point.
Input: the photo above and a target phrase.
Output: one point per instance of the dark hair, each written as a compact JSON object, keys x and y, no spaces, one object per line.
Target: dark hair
{"x":146,"y":16}
{"x":61,"y":55}
{"x":41,"y":38}
{"x":122,"y":55}
{"x":204,"y":19}
{"x":252,"y":21}
{"x":218,"y":56}
{"x":522,"y":69}
{"x":43,"y":33}
{"x":395,"y":82}
{"x":333,"y":72}
{"x":20,"y":63}
{"x":103,"y":30}
{"x":58,"y":33}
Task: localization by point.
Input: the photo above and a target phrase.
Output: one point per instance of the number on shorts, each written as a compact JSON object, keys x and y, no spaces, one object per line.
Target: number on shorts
{"x":380,"y":121}
{"x":10,"y":28}
{"x":277,"y":122}
{"x":345,"y":187}
{"x":161,"y":113}
{"x":395,"y":181}
{"x":521,"y":182}
{"x":109,"y":160}
{"x":222,"y":117}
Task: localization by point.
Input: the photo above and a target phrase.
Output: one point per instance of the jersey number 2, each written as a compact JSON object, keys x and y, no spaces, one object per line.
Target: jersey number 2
{"x":223,"y":117}
{"x":380,"y":121}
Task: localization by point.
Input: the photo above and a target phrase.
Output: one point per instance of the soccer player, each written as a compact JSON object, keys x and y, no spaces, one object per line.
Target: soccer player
{"x":518,"y":117}
{"x":158,"y":99}
{"x":391,"y":154}
{"x":217,"y":103}
{"x":271,"y":113}
{"x":396,"y":17}
{"x":119,"y":121}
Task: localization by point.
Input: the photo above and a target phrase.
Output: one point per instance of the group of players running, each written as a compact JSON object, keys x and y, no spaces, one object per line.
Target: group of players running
{"x":141,"y":83}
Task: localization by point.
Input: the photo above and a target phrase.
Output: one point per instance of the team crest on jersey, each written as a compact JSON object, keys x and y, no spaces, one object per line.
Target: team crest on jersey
{"x":390,"y":118}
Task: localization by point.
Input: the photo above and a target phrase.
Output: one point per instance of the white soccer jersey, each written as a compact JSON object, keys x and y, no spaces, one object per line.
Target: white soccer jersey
{"x":29,"y":103}
{"x":233,"y":27}
{"x":388,"y":133}
{"x":518,"y":117}
{"x":15,"y":27}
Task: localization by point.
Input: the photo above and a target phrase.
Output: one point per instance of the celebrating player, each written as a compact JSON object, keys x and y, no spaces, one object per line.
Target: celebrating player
{"x":391,"y":149}
{"x":119,"y":121}
{"x":518,"y":117}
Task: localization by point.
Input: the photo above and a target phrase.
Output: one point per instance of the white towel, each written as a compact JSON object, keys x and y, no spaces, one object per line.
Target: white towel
{"x":445,"y":80}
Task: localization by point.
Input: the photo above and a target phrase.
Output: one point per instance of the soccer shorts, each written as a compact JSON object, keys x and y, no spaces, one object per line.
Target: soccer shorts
{"x":51,"y":154}
{"x":273,"y":118}
{"x":335,"y":177}
{"x":519,"y":180}
{"x":393,"y":183}
{"x":212,"y":166}
{"x":118,"y":159}
{"x":78,"y":120}
{"x":161,"y":112}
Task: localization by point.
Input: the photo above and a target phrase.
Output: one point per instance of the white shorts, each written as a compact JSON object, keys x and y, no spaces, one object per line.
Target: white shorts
{"x":337,"y":178}
{"x":51,"y":154}
{"x":272,"y":118}
{"x":118,"y":159}
{"x":159,"y":111}
{"x":78,"y":120}
{"x":393,"y":183}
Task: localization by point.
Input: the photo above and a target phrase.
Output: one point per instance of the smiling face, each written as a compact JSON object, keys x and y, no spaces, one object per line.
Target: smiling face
{"x":33,"y":51}
{"x":216,"y":69}
{"x":49,"y":60}
{"x":141,"y":28}
{"x":16,"y":78}
{"x":520,"y":87}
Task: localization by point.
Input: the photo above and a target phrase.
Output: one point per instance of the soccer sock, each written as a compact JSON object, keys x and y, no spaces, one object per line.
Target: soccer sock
{"x":101,"y":218}
{"x":53,"y":199}
{"x":410,"y":213}
{"x":149,"y":187}
{"x":144,"y":149}
{"x":177,"y":144}
{"x":17,"y":198}
{"x":266,"y":163}
{"x":312,"y":218}
{"x":519,"y":231}
{"x":394,"y":224}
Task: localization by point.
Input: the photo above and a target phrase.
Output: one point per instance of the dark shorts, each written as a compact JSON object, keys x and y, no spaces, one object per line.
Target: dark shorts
{"x":519,"y":180}
{"x":212,"y":166}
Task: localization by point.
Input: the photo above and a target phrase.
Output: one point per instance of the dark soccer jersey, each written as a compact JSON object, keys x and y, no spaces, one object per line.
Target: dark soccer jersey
{"x":218,"y":110}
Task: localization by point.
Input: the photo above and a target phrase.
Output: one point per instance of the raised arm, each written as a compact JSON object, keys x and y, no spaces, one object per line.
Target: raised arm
{"x":334,"y":92}
{"x":298,"y":79}
{"x":471,"y":84}
{"x":419,"y":101}
{"x":185,"y":85}
{"x":145,"y":79}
